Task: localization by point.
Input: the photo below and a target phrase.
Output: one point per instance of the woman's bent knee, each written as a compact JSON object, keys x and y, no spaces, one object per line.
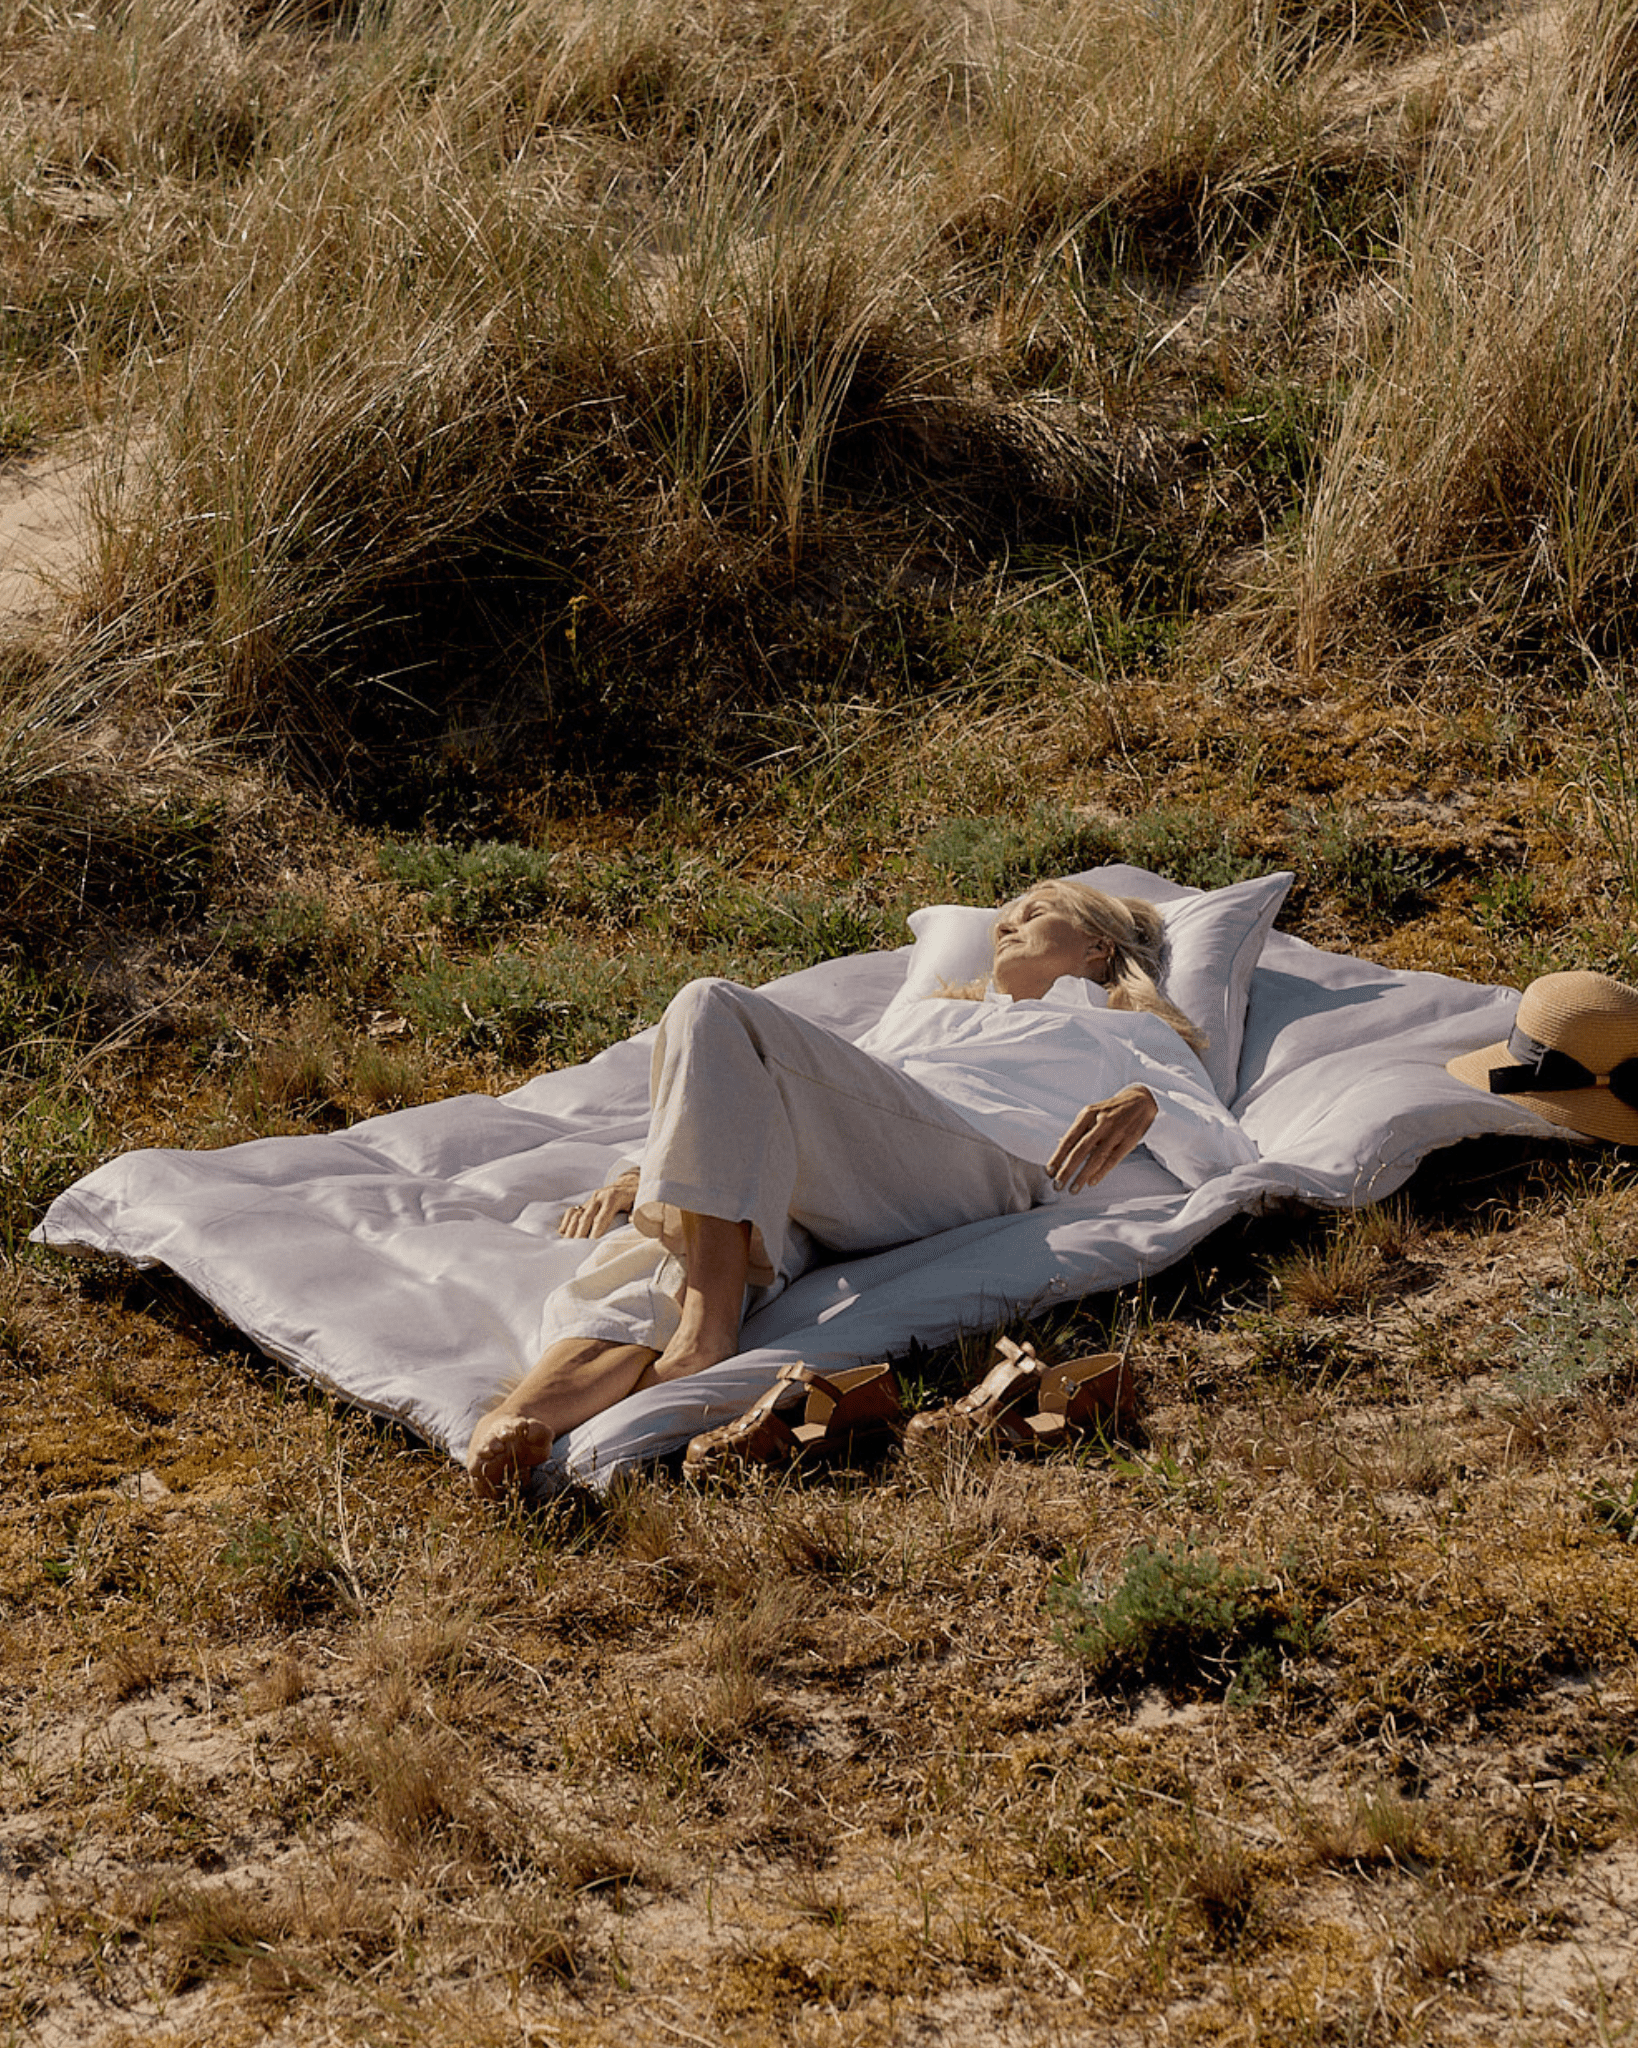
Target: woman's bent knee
{"x":713,"y":1005}
{"x":710,"y":992}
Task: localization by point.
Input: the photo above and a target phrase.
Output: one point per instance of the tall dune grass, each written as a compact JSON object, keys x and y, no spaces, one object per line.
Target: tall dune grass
{"x":432,"y":422}
{"x":589,"y":378}
{"x":1485,"y":477}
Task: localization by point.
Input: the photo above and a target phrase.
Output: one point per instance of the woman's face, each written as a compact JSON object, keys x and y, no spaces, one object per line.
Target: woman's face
{"x":1036,"y":941}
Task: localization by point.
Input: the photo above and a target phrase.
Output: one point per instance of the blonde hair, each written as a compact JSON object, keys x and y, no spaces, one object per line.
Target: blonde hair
{"x":1135,"y":933}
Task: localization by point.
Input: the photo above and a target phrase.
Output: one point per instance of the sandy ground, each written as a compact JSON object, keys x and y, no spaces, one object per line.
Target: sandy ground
{"x":42,"y":526}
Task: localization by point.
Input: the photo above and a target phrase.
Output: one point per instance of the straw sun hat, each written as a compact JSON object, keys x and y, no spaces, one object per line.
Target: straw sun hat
{"x":1572,"y":1056}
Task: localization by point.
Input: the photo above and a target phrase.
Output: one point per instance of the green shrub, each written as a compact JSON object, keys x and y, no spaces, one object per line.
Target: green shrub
{"x":1273,"y":433}
{"x":798,"y":929}
{"x":1506,"y":903}
{"x":1569,"y":1336}
{"x":294,"y":948}
{"x":48,"y":1137}
{"x":17,"y":430}
{"x":554,"y":1009}
{"x":1179,"y":1617}
{"x":288,"y":1565}
{"x":988,"y":859}
{"x":637,"y":886}
{"x":1189,"y":844}
{"x":1340,"y":854}
{"x":474,"y":888}
{"x":1611,"y":1508}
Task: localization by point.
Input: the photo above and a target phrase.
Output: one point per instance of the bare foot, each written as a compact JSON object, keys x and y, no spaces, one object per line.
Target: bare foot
{"x":504,"y":1450}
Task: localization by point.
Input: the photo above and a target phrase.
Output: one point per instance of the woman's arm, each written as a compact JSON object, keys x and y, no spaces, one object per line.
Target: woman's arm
{"x":1101,"y":1136}
{"x":600,"y":1212}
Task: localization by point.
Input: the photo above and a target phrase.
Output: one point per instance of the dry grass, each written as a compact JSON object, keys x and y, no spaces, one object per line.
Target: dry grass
{"x":508,"y":370}
{"x":1503,"y":500}
{"x":713,"y":1755}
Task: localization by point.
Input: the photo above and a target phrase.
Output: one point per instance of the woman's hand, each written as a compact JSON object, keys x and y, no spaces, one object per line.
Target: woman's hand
{"x":1101,"y":1136}
{"x":600,"y":1212}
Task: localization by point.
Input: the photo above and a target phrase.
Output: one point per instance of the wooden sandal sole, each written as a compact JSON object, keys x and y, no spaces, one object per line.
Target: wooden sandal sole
{"x":842,"y":1412}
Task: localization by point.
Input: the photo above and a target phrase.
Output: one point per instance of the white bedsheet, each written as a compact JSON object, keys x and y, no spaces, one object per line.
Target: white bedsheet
{"x":404,"y":1263}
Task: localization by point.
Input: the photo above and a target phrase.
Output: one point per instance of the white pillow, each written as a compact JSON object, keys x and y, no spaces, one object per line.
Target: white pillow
{"x":1214,"y":939}
{"x":952,"y":947}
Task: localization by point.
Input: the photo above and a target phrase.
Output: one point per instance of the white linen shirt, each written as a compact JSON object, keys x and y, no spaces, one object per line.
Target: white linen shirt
{"x":1021,"y":1072}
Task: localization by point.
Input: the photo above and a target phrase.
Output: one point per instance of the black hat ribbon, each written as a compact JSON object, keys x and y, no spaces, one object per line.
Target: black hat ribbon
{"x":1544,"y":1069}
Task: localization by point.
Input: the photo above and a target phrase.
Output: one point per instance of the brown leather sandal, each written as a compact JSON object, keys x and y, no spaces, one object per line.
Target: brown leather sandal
{"x":1083,"y":1397}
{"x":1011,"y":1383}
{"x":1024,"y":1405}
{"x":843,"y":1412}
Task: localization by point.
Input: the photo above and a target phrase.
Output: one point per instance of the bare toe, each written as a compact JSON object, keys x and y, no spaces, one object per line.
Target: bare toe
{"x":504,"y":1450}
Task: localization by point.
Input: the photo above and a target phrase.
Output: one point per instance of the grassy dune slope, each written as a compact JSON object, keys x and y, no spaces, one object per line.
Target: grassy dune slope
{"x":584,"y":497}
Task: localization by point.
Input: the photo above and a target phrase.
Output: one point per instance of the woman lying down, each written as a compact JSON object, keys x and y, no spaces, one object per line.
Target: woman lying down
{"x":774,"y":1142}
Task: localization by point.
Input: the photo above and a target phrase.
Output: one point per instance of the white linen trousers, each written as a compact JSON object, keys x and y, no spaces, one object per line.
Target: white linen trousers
{"x":761,"y":1116}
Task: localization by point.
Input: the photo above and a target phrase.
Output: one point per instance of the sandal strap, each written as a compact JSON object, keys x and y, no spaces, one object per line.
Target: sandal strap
{"x":1007,"y":1382}
{"x":797,"y":1374}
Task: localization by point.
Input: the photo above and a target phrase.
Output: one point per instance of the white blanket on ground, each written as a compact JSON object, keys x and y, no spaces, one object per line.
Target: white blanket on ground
{"x":404,"y":1263}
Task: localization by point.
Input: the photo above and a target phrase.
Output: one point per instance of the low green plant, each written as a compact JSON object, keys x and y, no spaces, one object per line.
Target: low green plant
{"x":635,"y":886}
{"x":1273,"y":432}
{"x":18,"y":428}
{"x":1110,"y":617}
{"x":1340,"y":854}
{"x":799,"y":928}
{"x":1190,"y":844}
{"x":987,"y":859}
{"x":478,"y":888}
{"x":1616,"y":1509}
{"x":1301,"y":1352}
{"x":1506,"y":903}
{"x":555,"y":1008}
{"x":1180,"y":1616}
{"x":297,"y":948}
{"x":1569,"y":1336}
{"x":49,"y":1136}
{"x":288,"y":1564}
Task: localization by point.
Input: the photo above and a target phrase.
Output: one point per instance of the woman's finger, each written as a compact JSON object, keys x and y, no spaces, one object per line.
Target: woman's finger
{"x":1100,"y":1138}
{"x":599,"y":1212}
{"x":1091,"y":1160}
{"x":1070,"y":1144}
{"x":1092,"y":1133}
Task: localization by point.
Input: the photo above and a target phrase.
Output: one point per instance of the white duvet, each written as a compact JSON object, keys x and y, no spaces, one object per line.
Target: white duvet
{"x":404,"y":1263}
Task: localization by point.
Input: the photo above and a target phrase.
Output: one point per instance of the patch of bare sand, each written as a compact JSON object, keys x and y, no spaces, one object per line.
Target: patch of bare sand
{"x":42,"y":533}
{"x":1580,"y":1980}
